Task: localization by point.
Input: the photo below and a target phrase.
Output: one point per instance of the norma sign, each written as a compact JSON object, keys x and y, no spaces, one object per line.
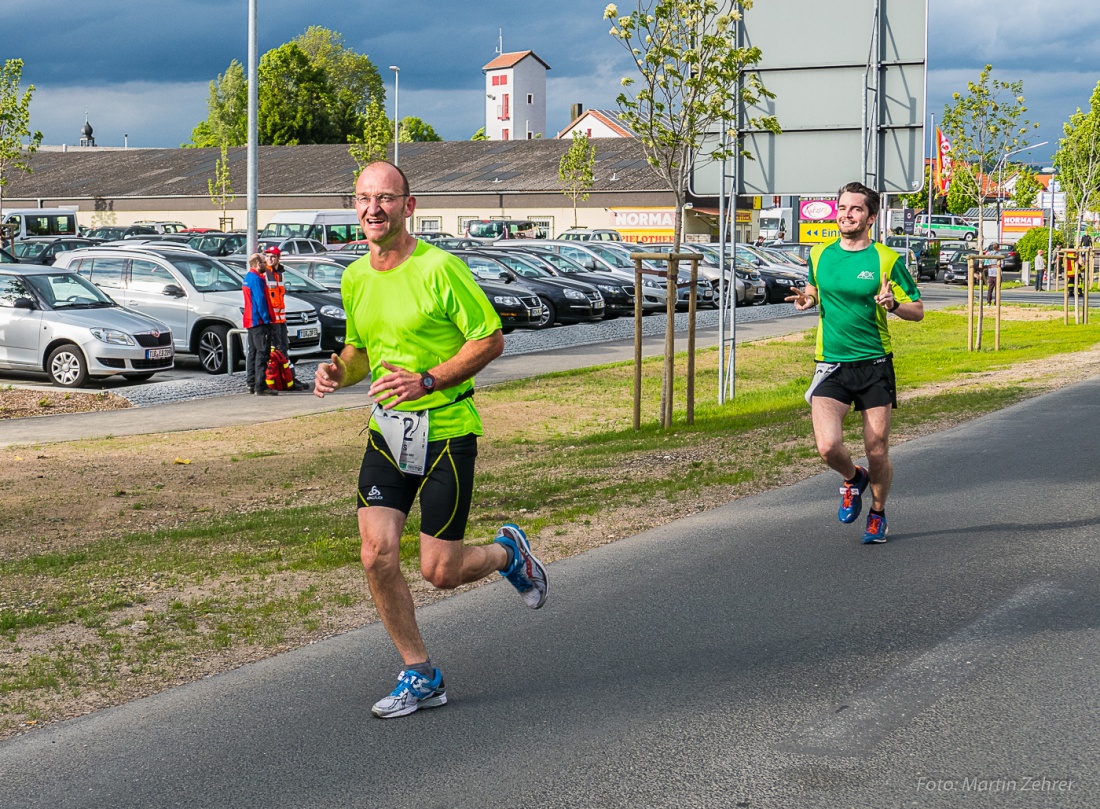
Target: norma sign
{"x":645,"y":225}
{"x":1021,"y":221}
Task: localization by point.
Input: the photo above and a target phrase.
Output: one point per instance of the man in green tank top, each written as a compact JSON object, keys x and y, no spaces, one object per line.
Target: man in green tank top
{"x":419,"y":328}
{"x":856,"y":282}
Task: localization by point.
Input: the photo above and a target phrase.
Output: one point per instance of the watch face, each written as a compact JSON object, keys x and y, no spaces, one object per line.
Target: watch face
{"x":428,"y":381}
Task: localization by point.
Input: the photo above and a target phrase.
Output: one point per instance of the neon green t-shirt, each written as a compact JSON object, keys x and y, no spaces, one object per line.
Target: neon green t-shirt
{"x":851,"y":326}
{"x":416,"y":316}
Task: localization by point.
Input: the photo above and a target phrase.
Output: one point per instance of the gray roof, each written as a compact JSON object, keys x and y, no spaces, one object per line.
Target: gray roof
{"x":448,"y":167}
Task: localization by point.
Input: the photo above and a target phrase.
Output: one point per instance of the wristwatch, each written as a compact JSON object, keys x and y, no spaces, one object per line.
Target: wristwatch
{"x":427,"y":381}
{"x":895,"y":306}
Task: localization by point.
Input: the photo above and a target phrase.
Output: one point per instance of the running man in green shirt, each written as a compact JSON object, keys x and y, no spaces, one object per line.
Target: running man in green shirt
{"x":855,"y":282}
{"x":420,"y":328}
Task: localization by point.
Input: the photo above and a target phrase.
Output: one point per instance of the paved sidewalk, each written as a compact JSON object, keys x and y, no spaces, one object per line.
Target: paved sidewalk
{"x":235,"y":409}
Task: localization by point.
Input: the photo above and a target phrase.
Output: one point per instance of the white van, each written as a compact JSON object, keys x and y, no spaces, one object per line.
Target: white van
{"x":330,"y":228}
{"x":19,"y":223}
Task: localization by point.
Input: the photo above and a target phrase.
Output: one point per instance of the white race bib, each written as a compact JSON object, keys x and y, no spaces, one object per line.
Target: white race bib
{"x":820,"y":374}
{"x":406,"y":434}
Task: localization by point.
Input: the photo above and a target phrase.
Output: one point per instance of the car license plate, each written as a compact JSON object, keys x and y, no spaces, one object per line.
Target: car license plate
{"x":158,"y":353}
{"x":305,"y":334}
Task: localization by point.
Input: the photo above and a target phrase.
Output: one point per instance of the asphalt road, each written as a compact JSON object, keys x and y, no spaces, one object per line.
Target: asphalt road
{"x":752,"y":656}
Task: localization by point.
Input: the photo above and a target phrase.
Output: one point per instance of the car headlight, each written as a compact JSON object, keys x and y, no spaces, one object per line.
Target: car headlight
{"x":786,"y":282}
{"x":506,"y":300}
{"x":334,"y":312}
{"x":574,"y":295}
{"x":609,"y":289}
{"x":112,"y":337}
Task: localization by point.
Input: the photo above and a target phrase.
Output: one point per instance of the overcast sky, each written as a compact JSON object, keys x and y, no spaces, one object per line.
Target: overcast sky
{"x":142,"y":67}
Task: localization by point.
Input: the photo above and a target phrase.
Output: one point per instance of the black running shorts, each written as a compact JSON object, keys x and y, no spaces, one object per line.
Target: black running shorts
{"x":867,"y":384}
{"x":445,"y":489}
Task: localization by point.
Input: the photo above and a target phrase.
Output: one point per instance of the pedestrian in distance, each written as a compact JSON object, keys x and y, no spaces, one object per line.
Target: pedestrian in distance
{"x":420,"y":328}
{"x":258,"y":320}
{"x":1040,"y":268}
{"x":856,"y":282}
{"x":276,"y":292}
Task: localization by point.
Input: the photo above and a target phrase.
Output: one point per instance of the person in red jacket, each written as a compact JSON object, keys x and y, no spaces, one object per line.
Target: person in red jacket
{"x":276,"y":292}
{"x":258,"y":319}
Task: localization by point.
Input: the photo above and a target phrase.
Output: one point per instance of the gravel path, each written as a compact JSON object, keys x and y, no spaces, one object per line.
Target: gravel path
{"x":519,"y":342}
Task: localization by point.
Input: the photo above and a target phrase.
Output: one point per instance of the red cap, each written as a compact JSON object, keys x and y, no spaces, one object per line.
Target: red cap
{"x":275,"y":251}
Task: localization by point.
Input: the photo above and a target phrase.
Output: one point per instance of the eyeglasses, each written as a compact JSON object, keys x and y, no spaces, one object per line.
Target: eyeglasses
{"x":381,"y":199}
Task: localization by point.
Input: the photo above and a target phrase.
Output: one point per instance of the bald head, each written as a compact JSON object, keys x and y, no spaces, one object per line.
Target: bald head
{"x":384,"y":172}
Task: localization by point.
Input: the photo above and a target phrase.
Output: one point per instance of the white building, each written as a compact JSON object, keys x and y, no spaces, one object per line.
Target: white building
{"x":597,"y":124}
{"x":515,"y":97}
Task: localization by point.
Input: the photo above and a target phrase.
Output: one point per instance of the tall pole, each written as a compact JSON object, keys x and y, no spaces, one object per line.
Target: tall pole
{"x":396,"y":120}
{"x":253,"y":124}
{"x":1050,"y":231}
{"x":933,"y":181}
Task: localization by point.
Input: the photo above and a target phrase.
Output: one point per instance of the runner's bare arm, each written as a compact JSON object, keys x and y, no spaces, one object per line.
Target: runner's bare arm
{"x":351,"y":366}
{"x":404,"y":385}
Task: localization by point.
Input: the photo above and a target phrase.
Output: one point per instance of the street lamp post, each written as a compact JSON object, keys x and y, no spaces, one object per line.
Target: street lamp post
{"x":1000,"y":182}
{"x":396,"y":121}
{"x":1050,"y":229}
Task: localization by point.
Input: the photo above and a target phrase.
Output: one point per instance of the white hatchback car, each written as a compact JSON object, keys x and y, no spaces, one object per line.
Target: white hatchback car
{"x":54,"y":321}
{"x":196,"y":295}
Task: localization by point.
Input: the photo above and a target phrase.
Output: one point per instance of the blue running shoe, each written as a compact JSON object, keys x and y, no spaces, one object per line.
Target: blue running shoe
{"x":851,"y":496}
{"x":413,"y":691}
{"x":526,"y":573}
{"x":876,"y":530}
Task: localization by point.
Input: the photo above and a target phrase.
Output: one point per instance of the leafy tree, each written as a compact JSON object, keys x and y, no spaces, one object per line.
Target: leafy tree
{"x":414,"y":130}
{"x":294,"y":99}
{"x":376,"y":136}
{"x":1027,"y":187}
{"x":353,"y":79}
{"x":691,"y":79}
{"x":576,"y":170}
{"x":1035,"y":239}
{"x":480,"y":135}
{"x":221,"y":191}
{"x":1078,"y":162}
{"x":227,"y":121}
{"x":15,"y":116}
{"x":983,"y":126}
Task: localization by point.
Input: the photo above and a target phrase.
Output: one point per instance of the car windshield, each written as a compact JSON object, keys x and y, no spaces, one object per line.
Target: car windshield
{"x":485,"y":230}
{"x":561,"y":263}
{"x":67,"y":290}
{"x":207,"y":275}
{"x":28,"y":249}
{"x":299,"y":283}
{"x":523,"y":266}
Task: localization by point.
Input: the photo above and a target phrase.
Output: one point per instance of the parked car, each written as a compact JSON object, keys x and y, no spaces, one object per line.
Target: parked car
{"x":1010,"y":259}
{"x":54,"y":321}
{"x":163,"y":227}
{"x":457,"y":243}
{"x":957,"y":266}
{"x":518,"y":308}
{"x":328,"y":305}
{"x":218,"y":244}
{"x":294,"y":246}
{"x":110,"y":233}
{"x":490,"y":230}
{"x":594,"y":235}
{"x":705,"y":297}
{"x":46,"y":249}
{"x":7,"y":258}
{"x":926,"y":255}
{"x":587,"y":254}
{"x":563,"y":300}
{"x":324,"y":270}
{"x":750,"y":286}
{"x":945,"y":226}
{"x":780,"y":284}
{"x":617,"y":292}
{"x":197,"y":296}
